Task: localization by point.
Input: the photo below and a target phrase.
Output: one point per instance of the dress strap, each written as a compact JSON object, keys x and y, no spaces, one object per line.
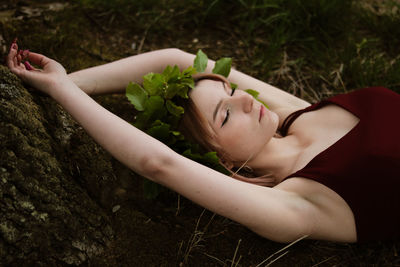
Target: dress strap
{"x":293,"y":116}
{"x":289,"y":120}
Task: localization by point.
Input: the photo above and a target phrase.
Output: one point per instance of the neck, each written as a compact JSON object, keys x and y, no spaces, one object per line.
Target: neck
{"x":278,"y":157}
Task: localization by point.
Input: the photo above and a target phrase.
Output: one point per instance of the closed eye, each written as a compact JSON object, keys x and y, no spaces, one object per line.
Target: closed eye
{"x":227,"y":111}
{"x":226,"y":117}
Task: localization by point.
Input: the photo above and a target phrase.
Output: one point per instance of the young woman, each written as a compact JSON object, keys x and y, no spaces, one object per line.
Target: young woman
{"x":334,"y":168}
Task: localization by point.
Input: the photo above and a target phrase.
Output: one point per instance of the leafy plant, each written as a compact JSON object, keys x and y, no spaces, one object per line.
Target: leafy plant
{"x":159,"y":114}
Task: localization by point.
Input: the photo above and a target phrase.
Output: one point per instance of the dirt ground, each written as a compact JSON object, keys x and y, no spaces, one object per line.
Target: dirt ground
{"x":168,"y":230}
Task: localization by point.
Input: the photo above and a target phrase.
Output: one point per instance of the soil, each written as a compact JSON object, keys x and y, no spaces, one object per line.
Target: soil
{"x":135,"y":231}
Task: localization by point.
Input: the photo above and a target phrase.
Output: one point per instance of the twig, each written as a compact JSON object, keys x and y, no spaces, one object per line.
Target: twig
{"x":323,"y":261}
{"x":146,"y":31}
{"x":244,"y":164}
{"x":196,"y":237}
{"x":215,"y":258}
{"x":277,"y":258}
{"x":236,"y":250}
{"x":178,"y":208}
{"x":279,"y":251}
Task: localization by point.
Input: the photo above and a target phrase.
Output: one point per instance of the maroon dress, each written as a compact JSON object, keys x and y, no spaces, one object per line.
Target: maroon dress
{"x":363,"y":167}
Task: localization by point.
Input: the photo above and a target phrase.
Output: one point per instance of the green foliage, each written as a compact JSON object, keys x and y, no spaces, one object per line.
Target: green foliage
{"x":255,"y":94}
{"x":223,"y":66}
{"x":200,"y":62}
{"x":159,"y":114}
{"x":136,"y":95}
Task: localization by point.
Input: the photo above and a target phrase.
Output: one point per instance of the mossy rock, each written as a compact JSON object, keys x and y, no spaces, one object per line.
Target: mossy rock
{"x":47,"y":215}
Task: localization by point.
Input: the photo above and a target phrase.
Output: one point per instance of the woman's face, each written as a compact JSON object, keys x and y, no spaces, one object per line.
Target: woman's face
{"x":243,"y":126}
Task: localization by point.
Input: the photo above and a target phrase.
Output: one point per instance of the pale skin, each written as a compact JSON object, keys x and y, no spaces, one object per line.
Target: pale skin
{"x":293,"y":208}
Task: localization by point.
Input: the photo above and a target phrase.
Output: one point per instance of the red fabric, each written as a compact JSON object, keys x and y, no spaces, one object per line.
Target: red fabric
{"x":363,"y":167}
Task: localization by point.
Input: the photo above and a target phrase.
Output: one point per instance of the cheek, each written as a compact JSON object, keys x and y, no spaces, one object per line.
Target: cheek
{"x":237,"y":143}
{"x":238,"y":131}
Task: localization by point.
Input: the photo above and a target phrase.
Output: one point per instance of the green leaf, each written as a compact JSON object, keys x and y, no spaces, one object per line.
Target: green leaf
{"x":167,"y":71}
{"x":153,"y":83}
{"x":136,"y":95}
{"x":200,"y":62}
{"x":188,"y":82}
{"x":172,"y":89}
{"x":252,"y":92}
{"x":223,"y":66}
{"x":160,"y":132}
{"x":171,"y":74}
{"x":183,"y":92}
{"x":154,"y":108}
{"x":174,"y":109}
{"x":255,"y":94}
{"x":234,"y":86}
{"x":176,"y":133}
{"x":189,"y":154}
{"x":211,"y":157}
{"x":189,"y":72}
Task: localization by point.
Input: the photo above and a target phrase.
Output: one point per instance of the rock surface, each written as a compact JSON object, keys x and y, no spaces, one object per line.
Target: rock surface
{"x":46,"y":215}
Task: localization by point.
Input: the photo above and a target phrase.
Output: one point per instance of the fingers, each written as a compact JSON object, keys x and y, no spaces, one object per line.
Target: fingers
{"x":12,"y":60}
{"x":15,"y":58}
{"x":28,"y":66}
{"x":38,"y":59}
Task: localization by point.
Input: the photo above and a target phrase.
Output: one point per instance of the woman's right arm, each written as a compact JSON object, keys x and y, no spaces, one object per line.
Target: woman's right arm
{"x":114,"y":77}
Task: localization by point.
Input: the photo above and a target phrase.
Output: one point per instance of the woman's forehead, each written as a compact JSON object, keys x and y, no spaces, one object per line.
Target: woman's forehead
{"x":206,"y":95}
{"x":207,"y":90}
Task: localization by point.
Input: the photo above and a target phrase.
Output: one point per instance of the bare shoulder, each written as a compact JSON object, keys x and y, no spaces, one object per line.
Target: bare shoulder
{"x":333,"y":217}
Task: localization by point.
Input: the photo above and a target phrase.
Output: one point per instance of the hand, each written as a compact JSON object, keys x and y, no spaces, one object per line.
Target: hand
{"x":46,"y":79}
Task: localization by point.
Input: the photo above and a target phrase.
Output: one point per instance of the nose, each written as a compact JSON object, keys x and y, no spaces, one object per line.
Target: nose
{"x":245,"y":100}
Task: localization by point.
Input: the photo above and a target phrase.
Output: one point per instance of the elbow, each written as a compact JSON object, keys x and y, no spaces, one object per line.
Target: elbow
{"x":155,"y":168}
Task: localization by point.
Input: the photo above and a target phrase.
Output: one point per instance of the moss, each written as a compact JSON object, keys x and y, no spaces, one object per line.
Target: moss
{"x":9,"y":232}
{"x":39,"y":198}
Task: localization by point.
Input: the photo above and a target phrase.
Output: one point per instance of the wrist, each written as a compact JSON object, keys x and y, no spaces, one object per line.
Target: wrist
{"x":83,"y":84}
{"x":61,"y":88}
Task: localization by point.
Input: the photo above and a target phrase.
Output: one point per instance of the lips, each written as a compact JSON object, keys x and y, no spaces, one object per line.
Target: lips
{"x":262,"y":112}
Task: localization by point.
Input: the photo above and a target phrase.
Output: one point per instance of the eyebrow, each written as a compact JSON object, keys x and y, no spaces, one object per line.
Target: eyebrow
{"x":216,"y":109}
{"x":218,"y":105}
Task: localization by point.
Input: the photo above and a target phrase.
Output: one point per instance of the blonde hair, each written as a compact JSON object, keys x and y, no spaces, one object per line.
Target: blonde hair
{"x":196,"y":128}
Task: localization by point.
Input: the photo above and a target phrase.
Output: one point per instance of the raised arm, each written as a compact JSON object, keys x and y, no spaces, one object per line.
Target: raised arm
{"x":113,"y":77}
{"x":275,"y":214}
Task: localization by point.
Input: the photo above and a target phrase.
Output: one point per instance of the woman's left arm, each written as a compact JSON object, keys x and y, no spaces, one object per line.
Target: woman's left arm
{"x":275,"y":214}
